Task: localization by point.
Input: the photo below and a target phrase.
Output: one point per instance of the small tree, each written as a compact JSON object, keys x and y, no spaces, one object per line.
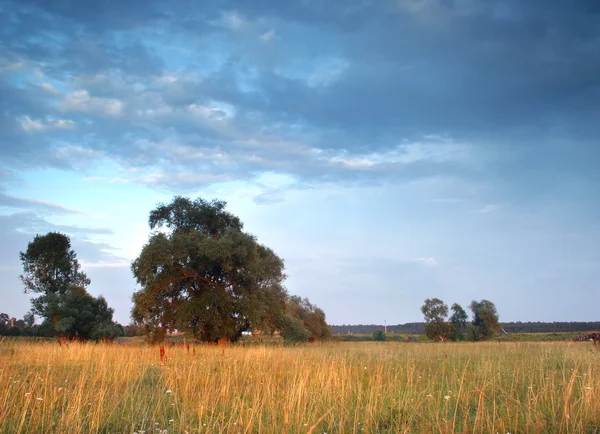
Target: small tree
{"x":379,"y":336}
{"x":458,"y":320}
{"x":473,"y":333}
{"x":485,"y":318}
{"x":435,"y":312}
{"x":301,"y":312}
{"x":293,"y":330}
{"x":50,"y":266}
{"x":78,"y":315}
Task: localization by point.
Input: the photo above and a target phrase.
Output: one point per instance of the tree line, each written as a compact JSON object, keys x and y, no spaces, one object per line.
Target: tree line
{"x":200,"y":273}
{"x":418,"y":328}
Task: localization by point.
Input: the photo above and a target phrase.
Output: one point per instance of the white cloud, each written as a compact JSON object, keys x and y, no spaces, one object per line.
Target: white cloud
{"x":269,"y":36}
{"x":437,"y":151}
{"x":33,"y":125}
{"x":49,"y":88}
{"x":490,"y":207}
{"x":81,"y":101}
{"x":234,"y":21}
{"x":430,"y":261}
{"x":327,"y":72}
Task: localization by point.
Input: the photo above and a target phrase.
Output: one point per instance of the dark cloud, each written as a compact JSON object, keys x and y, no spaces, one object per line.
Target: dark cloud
{"x":151,"y":84}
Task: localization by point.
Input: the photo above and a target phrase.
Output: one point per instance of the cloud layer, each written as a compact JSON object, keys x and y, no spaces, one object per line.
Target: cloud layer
{"x":436,"y":112}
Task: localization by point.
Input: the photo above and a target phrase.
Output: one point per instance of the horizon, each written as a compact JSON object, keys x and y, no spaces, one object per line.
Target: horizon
{"x":387,"y":151}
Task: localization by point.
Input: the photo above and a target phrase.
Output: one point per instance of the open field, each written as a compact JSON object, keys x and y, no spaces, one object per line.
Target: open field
{"x":331,"y":388}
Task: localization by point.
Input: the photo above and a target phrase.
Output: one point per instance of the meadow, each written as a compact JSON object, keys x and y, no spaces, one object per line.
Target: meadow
{"x":365,"y":387}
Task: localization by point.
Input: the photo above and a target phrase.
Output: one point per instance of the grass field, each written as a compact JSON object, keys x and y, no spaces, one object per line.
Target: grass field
{"x":330,"y":388}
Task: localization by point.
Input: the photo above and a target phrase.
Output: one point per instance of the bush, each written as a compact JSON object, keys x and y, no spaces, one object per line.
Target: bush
{"x":378,"y":335}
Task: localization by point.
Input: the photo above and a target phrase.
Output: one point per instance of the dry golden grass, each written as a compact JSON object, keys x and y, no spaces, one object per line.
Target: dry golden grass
{"x":330,"y":388}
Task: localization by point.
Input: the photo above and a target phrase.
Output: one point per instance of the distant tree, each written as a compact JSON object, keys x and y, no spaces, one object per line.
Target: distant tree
{"x":435,"y":312}
{"x":202,"y":274}
{"x":485,"y":319}
{"x":51,"y":269}
{"x":78,"y":315}
{"x":293,"y":330}
{"x":29,"y":319}
{"x":50,"y":266}
{"x":4,"y":323}
{"x":132,"y":330}
{"x":311,"y":317}
{"x":473,"y":333}
{"x":379,"y":335}
{"x":458,"y":320}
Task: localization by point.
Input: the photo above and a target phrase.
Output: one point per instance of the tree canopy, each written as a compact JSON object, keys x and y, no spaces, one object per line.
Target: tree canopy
{"x":458,"y":320}
{"x":485,"y":318}
{"x":50,"y":266}
{"x":78,"y":315}
{"x":435,"y":312}
{"x":202,"y":274}
{"x":304,"y":321}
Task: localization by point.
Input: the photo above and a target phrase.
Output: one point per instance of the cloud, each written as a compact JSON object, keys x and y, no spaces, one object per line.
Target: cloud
{"x":430,"y":261}
{"x":35,"y":204}
{"x":269,"y":35}
{"x":234,"y":21}
{"x":488,"y":208}
{"x":82,"y":101}
{"x":487,"y":92}
{"x":35,"y":126}
{"x":269,"y":197}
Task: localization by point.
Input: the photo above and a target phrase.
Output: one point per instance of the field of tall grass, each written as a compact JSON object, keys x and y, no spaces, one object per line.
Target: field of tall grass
{"x":326,"y":388}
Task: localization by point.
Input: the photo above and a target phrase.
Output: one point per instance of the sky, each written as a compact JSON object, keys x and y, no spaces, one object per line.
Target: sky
{"x":388,"y":150}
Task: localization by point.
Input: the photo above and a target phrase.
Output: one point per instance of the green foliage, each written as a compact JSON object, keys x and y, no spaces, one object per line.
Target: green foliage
{"x":50,"y":266}
{"x":51,"y":269}
{"x":184,"y":215}
{"x":293,"y":330}
{"x":78,"y":315}
{"x":473,"y":333}
{"x":458,"y":320}
{"x":485,"y":318}
{"x":379,"y":335}
{"x":300,"y":312}
{"x":435,"y":312}
{"x":205,"y":276}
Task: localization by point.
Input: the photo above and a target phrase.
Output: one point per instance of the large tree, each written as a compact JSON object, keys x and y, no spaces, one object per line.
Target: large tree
{"x":202,"y":274}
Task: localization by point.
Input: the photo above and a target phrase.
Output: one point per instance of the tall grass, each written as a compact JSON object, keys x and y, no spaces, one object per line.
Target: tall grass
{"x":331,"y":388}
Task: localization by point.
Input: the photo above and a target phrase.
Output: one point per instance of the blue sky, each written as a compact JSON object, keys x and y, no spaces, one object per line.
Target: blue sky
{"x":389,"y":151}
